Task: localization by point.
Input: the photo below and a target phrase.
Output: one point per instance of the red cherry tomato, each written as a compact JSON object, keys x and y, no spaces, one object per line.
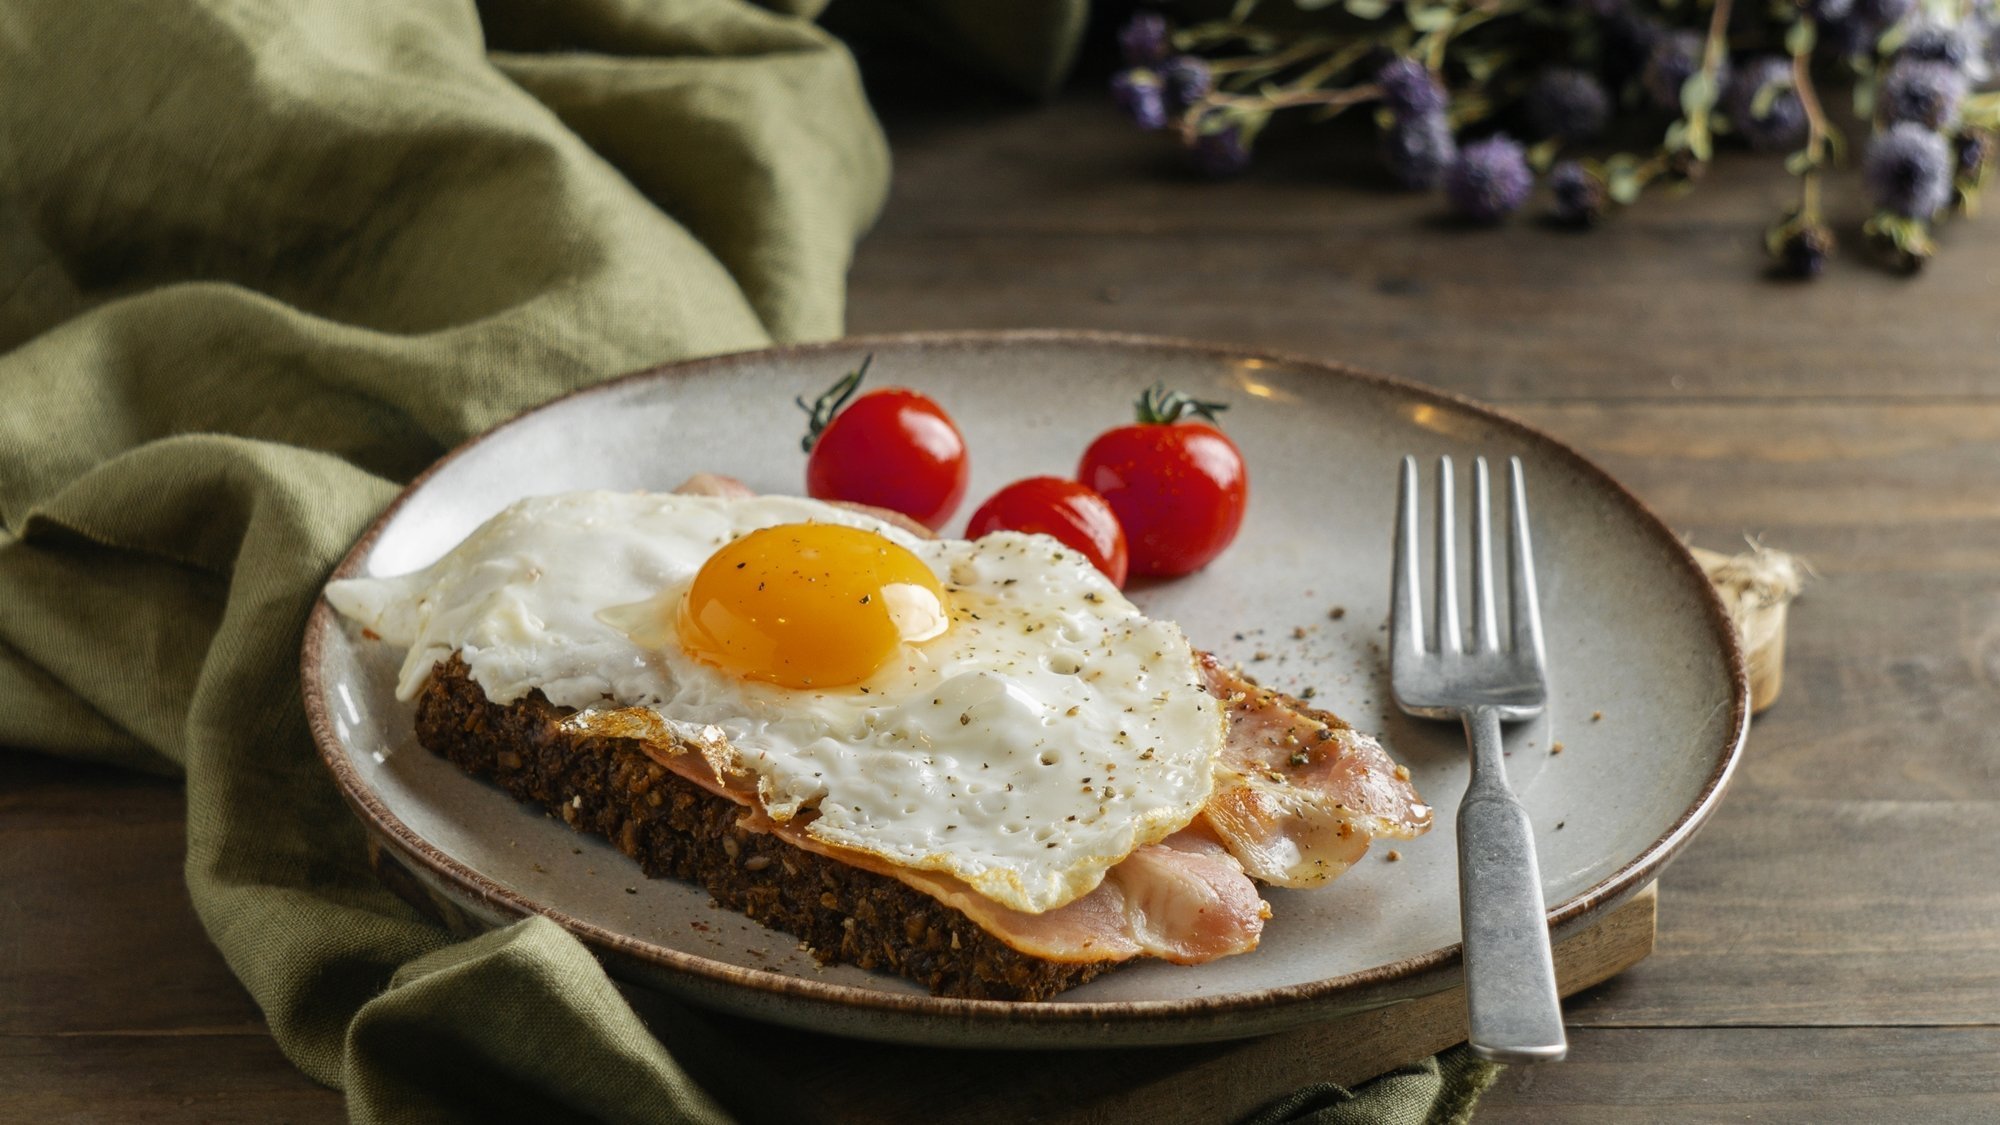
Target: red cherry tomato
{"x":1078,"y":517}
{"x":1179,"y":488}
{"x":891,"y":448}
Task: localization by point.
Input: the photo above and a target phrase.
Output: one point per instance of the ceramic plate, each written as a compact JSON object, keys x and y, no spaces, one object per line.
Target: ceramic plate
{"x":1634,"y":635}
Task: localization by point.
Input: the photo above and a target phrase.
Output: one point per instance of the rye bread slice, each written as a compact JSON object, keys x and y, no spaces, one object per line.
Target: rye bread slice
{"x":674,"y":828}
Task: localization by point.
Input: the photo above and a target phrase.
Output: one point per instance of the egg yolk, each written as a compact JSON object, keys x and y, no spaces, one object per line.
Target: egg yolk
{"x":810,"y":605}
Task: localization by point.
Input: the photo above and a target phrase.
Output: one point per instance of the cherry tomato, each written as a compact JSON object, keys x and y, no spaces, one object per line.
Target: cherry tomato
{"x":1078,"y":517}
{"x":1179,"y":488}
{"x":892,"y":448}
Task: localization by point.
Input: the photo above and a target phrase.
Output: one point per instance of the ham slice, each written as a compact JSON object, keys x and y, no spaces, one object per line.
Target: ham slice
{"x":1185,"y":899}
{"x":1299,"y":794}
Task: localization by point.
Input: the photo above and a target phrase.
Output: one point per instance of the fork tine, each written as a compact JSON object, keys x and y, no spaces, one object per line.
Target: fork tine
{"x":1484,"y":621}
{"x":1406,"y":616}
{"x":1449,"y":638}
{"x":1527,"y":610}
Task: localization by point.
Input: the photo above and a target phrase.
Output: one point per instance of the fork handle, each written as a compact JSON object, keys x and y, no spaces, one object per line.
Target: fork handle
{"x":1513,"y":1012}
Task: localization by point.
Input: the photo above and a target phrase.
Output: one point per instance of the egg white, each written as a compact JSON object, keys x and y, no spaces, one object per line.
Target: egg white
{"x":1048,"y":733}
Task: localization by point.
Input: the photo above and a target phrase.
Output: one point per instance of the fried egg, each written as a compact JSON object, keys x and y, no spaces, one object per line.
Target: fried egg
{"x":993,"y":709}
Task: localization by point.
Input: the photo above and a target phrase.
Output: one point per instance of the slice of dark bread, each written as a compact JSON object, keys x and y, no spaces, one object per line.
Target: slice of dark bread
{"x":672,"y":827}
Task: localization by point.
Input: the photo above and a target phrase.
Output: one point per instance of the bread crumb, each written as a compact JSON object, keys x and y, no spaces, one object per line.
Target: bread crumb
{"x":1597,"y":716}
{"x":1555,"y":747}
{"x":1298,"y":632}
{"x":1337,"y":612}
{"x":1393,"y":855}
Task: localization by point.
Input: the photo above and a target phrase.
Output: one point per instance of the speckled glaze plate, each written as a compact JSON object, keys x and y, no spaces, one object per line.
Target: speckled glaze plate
{"x":1634,"y":635}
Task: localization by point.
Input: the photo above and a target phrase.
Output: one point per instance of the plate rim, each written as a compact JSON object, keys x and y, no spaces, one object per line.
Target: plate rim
{"x":1633,"y":874}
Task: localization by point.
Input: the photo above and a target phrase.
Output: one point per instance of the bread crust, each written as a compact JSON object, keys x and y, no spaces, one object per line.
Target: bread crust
{"x":674,"y":828}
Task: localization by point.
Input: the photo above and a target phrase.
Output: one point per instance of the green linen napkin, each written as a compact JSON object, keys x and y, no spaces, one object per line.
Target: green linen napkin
{"x":260,"y":261}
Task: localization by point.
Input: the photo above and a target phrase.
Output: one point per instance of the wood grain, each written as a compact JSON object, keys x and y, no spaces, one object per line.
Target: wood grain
{"x":96,"y":931}
{"x":1069,"y":218}
{"x":113,"y":1005}
{"x":1772,"y":1076}
{"x":157,"y":1077}
{"x":1813,"y":912}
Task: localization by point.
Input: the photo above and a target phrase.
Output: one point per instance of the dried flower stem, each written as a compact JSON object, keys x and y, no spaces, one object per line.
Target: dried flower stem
{"x":1717,"y":46}
{"x":1272,"y":63}
{"x":1432,"y":46}
{"x":1715,"y":50}
{"x":1287,"y":99}
{"x":1817,"y":134}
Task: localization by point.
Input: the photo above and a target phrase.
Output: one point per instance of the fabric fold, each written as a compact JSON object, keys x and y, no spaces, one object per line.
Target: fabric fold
{"x":272,"y":260}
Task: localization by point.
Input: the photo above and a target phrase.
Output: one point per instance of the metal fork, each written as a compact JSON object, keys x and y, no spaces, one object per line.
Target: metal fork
{"x":1513,"y":1012}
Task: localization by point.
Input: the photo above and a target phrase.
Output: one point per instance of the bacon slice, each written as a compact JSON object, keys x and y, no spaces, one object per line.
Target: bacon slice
{"x":715,"y":484}
{"x":1299,"y":794}
{"x":1185,"y":899}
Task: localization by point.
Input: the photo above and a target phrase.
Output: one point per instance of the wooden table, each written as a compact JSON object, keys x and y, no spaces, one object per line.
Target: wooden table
{"x":1829,"y":948}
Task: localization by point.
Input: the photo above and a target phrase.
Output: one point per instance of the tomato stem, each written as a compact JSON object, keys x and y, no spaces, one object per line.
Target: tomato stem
{"x":822,"y":409}
{"x":1159,"y":406}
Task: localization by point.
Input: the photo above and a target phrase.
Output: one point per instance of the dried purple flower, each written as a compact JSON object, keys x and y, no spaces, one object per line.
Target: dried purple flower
{"x":1675,"y":58}
{"x":1188,"y":80}
{"x":1580,"y":198}
{"x":1145,"y":39}
{"x":1628,"y":39}
{"x":1908,"y":171}
{"x":1925,"y":92}
{"x":1220,"y":153}
{"x":1804,"y":250}
{"x":1418,"y":150}
{"x":1852,"y":27}
{"x":1567,"y":103}
{"x":1489,"y":180}
{"x":1883,"y":14}
{"x":1973,"y":150}
{"x":1766,"y":79}
{"x":1138,"y":92}
{"x":1935,"y":42}
{"x":1409,"y":90}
